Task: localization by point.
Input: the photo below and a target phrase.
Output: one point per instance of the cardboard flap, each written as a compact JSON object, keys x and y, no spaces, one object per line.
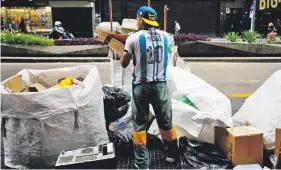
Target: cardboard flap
{"x":277,"y":141}
{"x":14,"y":84}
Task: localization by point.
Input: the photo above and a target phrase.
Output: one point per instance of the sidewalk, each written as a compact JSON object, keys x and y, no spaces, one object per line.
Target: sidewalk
{"x":12,"y":59}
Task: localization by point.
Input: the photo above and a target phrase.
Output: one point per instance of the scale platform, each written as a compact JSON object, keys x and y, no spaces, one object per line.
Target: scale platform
{"x":97,"y":157}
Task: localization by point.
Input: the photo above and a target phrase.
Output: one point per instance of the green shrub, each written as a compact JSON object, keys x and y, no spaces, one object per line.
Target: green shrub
{"x":231,"y":36}
{"x":250,"y":36}
{"x":27,"y":39}
{"x":279,"y":37}
{"x":270,"y":41}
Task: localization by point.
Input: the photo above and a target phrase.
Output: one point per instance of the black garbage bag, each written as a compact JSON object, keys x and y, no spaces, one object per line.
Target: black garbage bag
{"x":201,"y":155}
{"x":115,"y":97}
{"x":122,"y":137}
{"x":113,"y":114}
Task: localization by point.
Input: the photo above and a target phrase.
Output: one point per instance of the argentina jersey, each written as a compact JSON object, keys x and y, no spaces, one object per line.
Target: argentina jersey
{"x":150,"y":49}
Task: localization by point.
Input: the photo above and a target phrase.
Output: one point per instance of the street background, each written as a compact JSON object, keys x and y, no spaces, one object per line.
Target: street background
{"x":236,"y":80}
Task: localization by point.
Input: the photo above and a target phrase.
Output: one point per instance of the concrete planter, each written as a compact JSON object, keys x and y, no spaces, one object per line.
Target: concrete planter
{"x":212,"y":48}
{"x":37,"y":50}
{"x":196,"y":48}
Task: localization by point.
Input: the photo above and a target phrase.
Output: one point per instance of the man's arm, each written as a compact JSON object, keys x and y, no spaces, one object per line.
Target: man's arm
{"x":128,"y":51}
{"x":125,"y":59}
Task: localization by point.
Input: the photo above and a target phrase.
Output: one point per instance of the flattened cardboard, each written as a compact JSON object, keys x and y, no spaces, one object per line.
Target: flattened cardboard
{"x":120,"y":37}
{"x":14,"y":84}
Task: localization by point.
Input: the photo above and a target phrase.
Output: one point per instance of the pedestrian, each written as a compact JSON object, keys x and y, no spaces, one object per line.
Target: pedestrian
{"x":278,"y":25}
{"x":177,"y":28}
{"x":148,"y":48}
{"x":22,"y":26}
{"x":271,"y":32}
{"x":11,"y":27}
{"x":2,"y":24}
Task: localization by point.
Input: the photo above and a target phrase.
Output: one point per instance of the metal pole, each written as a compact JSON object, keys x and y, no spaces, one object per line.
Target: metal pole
{"x":165,"y":17}
{"x":110,"y":14}
{"x":148,"y":3}
{"x":253,"y":16}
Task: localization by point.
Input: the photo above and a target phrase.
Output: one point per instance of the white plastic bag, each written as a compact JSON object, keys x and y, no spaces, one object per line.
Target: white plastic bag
{"x":263,"y":109}
{"x":214,"y":107}
{"x":176,"y":61}
{"x":120,"y":77}
{"x":38,"y":126}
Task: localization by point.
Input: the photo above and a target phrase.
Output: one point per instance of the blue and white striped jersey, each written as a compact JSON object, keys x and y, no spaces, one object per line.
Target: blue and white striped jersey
{"x":150,"y":50}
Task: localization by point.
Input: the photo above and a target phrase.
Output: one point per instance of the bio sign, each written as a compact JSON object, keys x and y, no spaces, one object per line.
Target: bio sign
{"x":267,"y":4}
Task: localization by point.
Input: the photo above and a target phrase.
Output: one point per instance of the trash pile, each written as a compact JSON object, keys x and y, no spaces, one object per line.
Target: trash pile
{"x":44,"y":112}
{"x":201,"y":113}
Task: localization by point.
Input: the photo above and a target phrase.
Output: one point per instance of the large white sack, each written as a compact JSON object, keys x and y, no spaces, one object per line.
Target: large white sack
{"x":38,"y":126}
{"x":182,"y":116}
{"x":263,"y":109}
{"x":214,"y":107}
{"x":184,"y":124}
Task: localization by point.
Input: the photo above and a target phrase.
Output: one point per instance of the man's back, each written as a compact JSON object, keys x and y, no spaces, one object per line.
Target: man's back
{"x":150,"y":49}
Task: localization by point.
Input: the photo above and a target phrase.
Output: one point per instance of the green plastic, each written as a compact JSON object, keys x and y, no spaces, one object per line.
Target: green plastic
{"x":186,"y":100}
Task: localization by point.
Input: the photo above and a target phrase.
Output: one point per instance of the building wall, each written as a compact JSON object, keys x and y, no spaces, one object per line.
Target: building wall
{"x":223,"y":16}
{"x":77,"y":17}
{"x":196,"y":16}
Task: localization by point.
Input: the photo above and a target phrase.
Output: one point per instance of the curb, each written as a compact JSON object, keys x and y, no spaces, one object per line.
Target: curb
{"x":106,"y":59}
{"x":232,"y":59}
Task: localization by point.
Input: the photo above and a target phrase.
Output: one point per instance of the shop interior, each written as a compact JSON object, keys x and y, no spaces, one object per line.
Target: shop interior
{"x":36,"y":19}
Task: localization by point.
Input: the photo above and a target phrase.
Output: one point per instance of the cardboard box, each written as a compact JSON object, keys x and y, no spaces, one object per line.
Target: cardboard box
{"x":242,"y":145}
{"x":14,"y":85}
{"x":277,"y":141}
{"x":120,"y":37}
{"x":116,"y":45}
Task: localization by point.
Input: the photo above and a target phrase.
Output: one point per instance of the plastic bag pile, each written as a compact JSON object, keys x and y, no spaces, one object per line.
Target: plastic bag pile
{"x":116,"y":103}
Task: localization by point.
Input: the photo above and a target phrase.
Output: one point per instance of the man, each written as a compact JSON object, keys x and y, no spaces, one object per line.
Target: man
{"x":149,"y":50}
{"x":177,"y":28}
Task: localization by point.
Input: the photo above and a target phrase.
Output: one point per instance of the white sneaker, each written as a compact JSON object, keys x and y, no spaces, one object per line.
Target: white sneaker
{"x":171,"y":160}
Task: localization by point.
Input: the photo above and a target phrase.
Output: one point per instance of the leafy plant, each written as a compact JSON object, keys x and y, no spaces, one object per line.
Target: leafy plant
{"x":180,"y":38}
{"x":279,"y":37}
{"x":27,"y":39}
{"x":79,"y":41}
{"x":270,"y":41}
{"x":250,"y":36}
{"x":231,"y":36}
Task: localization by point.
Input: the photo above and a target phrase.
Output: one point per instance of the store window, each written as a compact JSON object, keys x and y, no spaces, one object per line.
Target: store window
{"x":39,"y":19}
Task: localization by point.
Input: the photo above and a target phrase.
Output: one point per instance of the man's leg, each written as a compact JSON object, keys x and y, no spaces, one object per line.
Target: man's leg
{"x":140,"y":108}
{"x":161,"y":103}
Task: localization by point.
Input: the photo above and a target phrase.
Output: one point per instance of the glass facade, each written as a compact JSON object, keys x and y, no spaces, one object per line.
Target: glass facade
{"x":36,"y":20}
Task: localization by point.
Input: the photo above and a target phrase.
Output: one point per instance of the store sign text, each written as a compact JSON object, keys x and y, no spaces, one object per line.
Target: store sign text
{"x":266,"y":4}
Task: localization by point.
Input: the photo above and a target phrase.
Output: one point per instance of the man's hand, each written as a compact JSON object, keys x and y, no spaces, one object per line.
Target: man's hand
{"x":125,"y":59}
